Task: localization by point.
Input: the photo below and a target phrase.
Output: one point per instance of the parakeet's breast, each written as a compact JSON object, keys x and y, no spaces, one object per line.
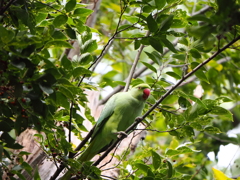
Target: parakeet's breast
{"x":125,"y":113}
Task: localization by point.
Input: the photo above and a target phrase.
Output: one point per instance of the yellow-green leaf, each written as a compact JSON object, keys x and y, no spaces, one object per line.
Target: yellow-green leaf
{"x":219,"y":175}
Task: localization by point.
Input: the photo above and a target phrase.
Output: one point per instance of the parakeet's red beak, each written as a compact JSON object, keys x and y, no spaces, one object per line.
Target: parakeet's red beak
{"x":146,"y":93}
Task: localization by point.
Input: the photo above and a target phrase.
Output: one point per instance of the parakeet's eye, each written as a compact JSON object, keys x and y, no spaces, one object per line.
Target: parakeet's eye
{"x":139,"y":87}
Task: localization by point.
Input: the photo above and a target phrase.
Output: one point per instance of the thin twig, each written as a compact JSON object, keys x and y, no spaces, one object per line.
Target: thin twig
{"x":134,"y":65}
{"x":2,"y":11}
{"x":70,"y":123}
{"x":198,"y":170}
{"x":108,"y":177}
{"x":50,"y":7}
{"x":111,"y":157}
{"x":219,"y":139}
{"x":122,"y":155}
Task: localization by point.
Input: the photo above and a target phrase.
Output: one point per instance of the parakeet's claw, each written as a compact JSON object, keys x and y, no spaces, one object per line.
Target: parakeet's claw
{"x":121,"y":134}
{"x":138,"y":119}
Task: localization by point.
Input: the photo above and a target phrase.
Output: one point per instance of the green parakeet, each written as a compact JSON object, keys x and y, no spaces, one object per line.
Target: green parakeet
{"x":118,"y":114}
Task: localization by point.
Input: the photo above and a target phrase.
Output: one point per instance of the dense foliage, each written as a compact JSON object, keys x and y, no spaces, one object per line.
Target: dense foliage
{"x":173,"y":45}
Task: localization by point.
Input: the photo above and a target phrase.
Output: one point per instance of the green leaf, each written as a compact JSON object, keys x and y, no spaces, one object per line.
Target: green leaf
{"x":156,"y":158}
{"x":223,"y":113}
{"x":195,"y":53}
{"x":89,"y":46}
{"x":36,"y":174}
{"x":40,"y":17}
{"x":137,"y":44}
{"x":20,"y":125}
{"x":179,"y":56}
{"x":60,"y":20}
{"x":59,"y":35}
{"x":183,"y":103}
{"x":46,"y":89}
{"x":196,"y":125}
{"x":70,"y":5}
{"x":70,"y":32}
{"x":188,"y":131}
{"x":201,"y":75}
{"x":152,"y":24}
{"x":155,"y":56}
{"x":156,"y":44}
{"x":183,"y":41}
{"x":212,"y":130}
{"x":176,"y":34}
{"x":81,"y":27}
{"x":131,"y":19}
{"x":224,"y":99}
{"x":166,"y":24}
{"x":148,"y":178}
{"x":136,"y":82}
{"x":19,"y":64}
{"x":85,"y":58}
{"x":27,"y":167}
{"x":6,"y":35}
{"x":179,"y":150}
{"x":6,"y":111}
{"x":66,"y":92}
{"x":160,"y":4}
{"x":62,"y":100}
{"x":66,"y":63}
{"x":178,"y":23}
{"x":149,"y":66}
{"x":197,"y":100}
{"x":170,"y":169}
{"x":199,"y":17}
{"x":81,"y":71}
{"x":142,"y":167}
{"x":4,"y":126}
{"x":58,"y":43}
{"x":82,"y":12}
{"x":169,"y":45}
{"x":173,"y":74}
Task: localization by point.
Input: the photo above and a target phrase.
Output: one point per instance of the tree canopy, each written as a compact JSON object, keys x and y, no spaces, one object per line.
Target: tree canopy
{"x":187,"y":51}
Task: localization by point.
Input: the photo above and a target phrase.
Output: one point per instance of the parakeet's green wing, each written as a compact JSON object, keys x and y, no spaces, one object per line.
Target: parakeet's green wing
{"x":104,"y":116}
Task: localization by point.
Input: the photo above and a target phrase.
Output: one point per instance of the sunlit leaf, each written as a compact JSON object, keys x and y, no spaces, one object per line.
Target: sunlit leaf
{"x":89,"y":46}
{"x":212,"y":130}
{"x":149,"y":66}
{"x":219,"y":175}
{"x":60,"y":20}
{"x":223,"y":113}
{"x":81,"y":71}
{"x":173,"y":74}
{"x":156,"y":159}
{"x":160,"y":3}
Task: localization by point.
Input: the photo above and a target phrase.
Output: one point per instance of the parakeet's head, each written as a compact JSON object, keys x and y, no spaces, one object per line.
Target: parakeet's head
{"x":141,"y":91}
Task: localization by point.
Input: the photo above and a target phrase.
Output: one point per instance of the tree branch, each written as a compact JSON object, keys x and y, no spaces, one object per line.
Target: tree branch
{"x":134,"y":65}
